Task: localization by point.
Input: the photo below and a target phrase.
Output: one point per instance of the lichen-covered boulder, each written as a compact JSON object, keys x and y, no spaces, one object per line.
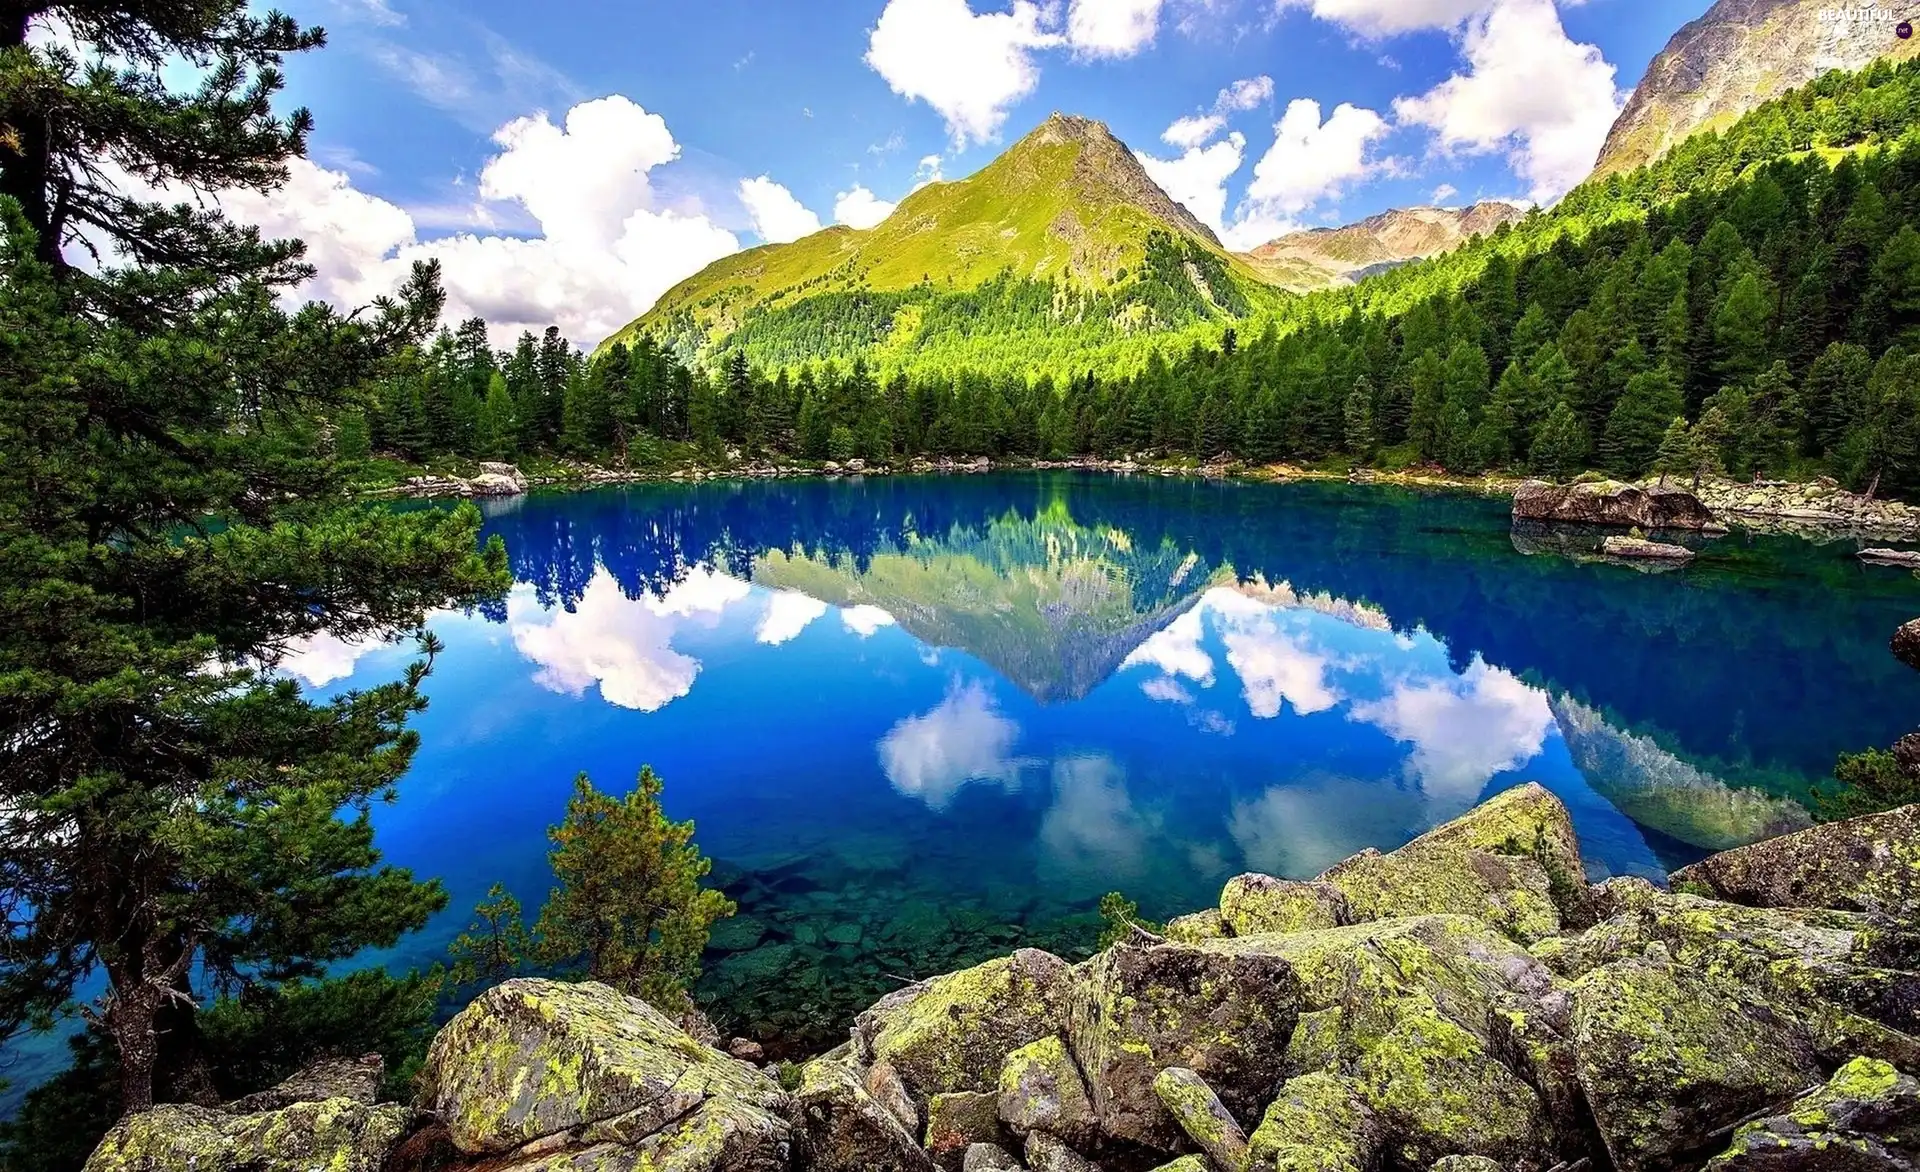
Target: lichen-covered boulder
{"x":953,"y":1032}
{"x":1254,"y":903}
{"x":1668,"y":1053}
{"x":988,"y":1158}
{"x":357,"y":1079}
{"x":847,"y":1129}
{"x":1612,"y":502}
{"x":1187,"y":1164}
{"x":1906,"y":643}
{"x":1041,"y":1089}
{"x":1407,"y":1009}
{"x":1202,"y":1116}
{"x":339,"y":1135}
{"x":1512,"y":861}
{"x":1865,"y":1119}
{"x":1194,"y":927}
{"x":1050,"y":1153}
{"x":957,"y":1120}
{"x":1138,"y":1010}
{"x":1318,"y":1123}
{"x":883,"y":1083}
{"x":1869,"y":864}
{"x":532,"y":1058}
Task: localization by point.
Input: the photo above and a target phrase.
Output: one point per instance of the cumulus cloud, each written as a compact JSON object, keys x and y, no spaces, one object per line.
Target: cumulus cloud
{"x":1464,"y":729}
{"x":864,"y":620}
{"x":789,"y":612}
{"x":322,"y":658}
{"x":861,"y":208}
{"x":1175,"y":649}
{"x":777,"y":216}
{"x":1528,"y":90}
{"x":1112,"y":28}
{"x":606,"y":245}
{"x":1311,"y":159}
{"x":1198,"y":178}
{"x":1444,"y":192}
{"x":1381,"y":18}
{"x":1092,"y":828}
{"x":623,"y":645}
{"x":962,"y":739}
{"x":1276,"y":667}
{"x":1193,"y":130}
{"x":1245,"y":94}
{"x":970,"y":67}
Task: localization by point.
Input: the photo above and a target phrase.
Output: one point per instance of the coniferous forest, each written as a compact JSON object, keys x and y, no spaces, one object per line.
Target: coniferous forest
{"x":1748,"y":306}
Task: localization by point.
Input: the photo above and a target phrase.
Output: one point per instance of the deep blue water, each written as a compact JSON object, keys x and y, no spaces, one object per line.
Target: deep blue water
{"x":917,"y":721}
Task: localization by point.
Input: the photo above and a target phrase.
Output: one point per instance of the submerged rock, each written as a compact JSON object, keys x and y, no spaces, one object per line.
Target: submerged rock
{"x":1611,"y":502}
{"x":1640,"y":547}
{"x":1868,"y":864}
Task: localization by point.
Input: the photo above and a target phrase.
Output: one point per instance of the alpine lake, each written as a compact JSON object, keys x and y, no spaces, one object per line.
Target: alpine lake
{"x":922,"y":721}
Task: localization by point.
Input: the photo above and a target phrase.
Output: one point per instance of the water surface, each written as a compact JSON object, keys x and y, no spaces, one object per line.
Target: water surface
{"x":919,"y":721}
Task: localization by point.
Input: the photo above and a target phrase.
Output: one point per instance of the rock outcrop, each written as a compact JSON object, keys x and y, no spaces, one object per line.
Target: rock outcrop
{"x":1466,"y":1003}
{"x":492,"y":480}
{"x":1612,"y":502}
{"x":1639,"y":547}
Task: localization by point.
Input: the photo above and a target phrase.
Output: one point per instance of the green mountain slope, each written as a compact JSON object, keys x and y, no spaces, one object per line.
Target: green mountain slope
{"x":1064,"y":234}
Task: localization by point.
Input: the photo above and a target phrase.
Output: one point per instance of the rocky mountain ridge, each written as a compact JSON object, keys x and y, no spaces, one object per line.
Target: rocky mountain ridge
{"x":1466,"y":1003}
{"x":1319,"y":257}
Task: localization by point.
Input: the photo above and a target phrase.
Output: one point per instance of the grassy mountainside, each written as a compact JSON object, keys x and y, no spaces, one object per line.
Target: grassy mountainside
{"x":1064,"y":235}
{"x":1739,"y":54}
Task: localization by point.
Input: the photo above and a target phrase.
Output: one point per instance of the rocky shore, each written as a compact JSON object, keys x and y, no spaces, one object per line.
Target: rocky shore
{"x":1466,"y":1003}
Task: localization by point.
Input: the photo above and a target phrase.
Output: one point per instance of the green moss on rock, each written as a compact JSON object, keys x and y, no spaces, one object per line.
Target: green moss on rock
{"x":333,"y":1135}
{"x":1318,"y":1123}
{"x":1041,"y":1089}
{"x":1868,"y":864}
{"x":1254,"y":903}
{"x":952,"y":1033}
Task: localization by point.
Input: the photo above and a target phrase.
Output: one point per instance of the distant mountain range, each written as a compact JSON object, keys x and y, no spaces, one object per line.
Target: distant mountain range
{"x":1063,"y":253}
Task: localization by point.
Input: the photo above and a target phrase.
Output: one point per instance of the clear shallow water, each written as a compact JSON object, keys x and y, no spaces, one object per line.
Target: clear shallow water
{"x":920,"y":721}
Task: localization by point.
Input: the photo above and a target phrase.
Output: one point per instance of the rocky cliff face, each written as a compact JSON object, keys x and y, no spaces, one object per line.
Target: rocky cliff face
{"x":1738,"y":55}
{"x":1467,"y":1003}
{"x":1330,"y":256}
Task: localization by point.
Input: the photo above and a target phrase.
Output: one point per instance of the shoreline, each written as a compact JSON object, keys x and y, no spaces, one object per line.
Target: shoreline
{"x":1819,"y":510}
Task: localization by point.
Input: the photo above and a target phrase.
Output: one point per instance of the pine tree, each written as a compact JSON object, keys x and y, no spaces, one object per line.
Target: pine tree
{"x":1740,"y":329}
{"x":1560,"y":444}
{"x":628,"y":905}
{"x":496,"y":943}
{"x":1639,"y":421}
{"x":1675,"y":456}
{"x":1359,"y":421}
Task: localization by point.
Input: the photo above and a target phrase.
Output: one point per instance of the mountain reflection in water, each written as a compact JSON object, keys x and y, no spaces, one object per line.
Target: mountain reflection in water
{"x":921,"y":721}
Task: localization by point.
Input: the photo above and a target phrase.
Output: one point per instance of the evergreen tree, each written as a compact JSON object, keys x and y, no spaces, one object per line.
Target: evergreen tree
{"x":1359,"y":421}
{"x":496,"y":943}
{"x":1639,"y":421}
{"x":1560,"y":444}
{"x":628,"y":904}
{"x":1675,"y":456}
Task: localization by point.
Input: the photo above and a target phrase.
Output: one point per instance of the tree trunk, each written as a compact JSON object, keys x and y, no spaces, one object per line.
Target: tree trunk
{"x":129,"y":1021}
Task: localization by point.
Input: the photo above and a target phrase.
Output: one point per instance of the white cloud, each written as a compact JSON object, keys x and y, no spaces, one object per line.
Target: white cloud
{"x":324,"y":657}
{"x":1529,"y":90}
{"x":865,"y":620}
{"x":1380,"y":18}
{"x":777,"y":216}
{"x":1192,"y":130}
{"x":1311,"y":160}
{"x":861,"y":208}
{"x":1275,"y":667}
{"x":1112,"y":28}
{"x":1464,"y":729}
{"x":1245,"y":94}
{"x":789,"y":612}
{"x":1167,"y":690}
{"x":962,"y":739}
{"x":1444,"y":192}
{"x":1198,"y":178}
{"x":624,"y":645}
{"x":970,"y":67}
{"x":378,"y":12}
{"x":1092,"y":828}
{"x":606,"y":247}
{"x":1175,"y":649}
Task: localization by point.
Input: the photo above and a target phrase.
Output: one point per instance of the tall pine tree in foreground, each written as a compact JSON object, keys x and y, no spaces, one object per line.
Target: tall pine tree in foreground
{"x":171,"y":519}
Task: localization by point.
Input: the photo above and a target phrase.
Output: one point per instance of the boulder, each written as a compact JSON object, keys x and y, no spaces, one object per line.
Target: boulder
{"x":883,"y":1083}
{"x":988,"y":1158}
{"x":1640,"y":547}
{"x":1668,"y":1053}
{"x":1202,"y":1116}
{"x":1906,"y":644}
{"x":337,"y":1134}
{"x":1513,"y":861}
{"x":1865,"y":1119}
{"x":1050,"y":1153}
{"x":1254,"y":903}
{"x":1611,"y":502}
{"x":1868,"y":864}
{"x":1196,"y":926}
{"x":1041,"y":1089}
{"x":953,"y":1032}
{"x":1318,"y":1123}
{"x":532,"y":1058}
{"x":959,"y":1119}
{"x":355,"y":1079}
{"x":1465,"y":1164}
{"x":1905,"y":558}
{"x":847,"y":1129}
{"x":1187,"y":1164}
{"x":1138,"y":1010}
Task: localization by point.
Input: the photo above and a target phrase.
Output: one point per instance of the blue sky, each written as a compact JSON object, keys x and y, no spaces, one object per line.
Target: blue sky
{"x":571,"y":160}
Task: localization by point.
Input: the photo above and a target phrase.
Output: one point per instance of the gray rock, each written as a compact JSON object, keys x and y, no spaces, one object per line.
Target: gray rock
{"x":847,"y":1129}
{"x":1906,"y":644}
{"x":1869,"y":864}
{"x":1049,"y":1153}
{"x":1640,"y":547}
{"x":988,"y":1158}
{"x":1907,"y":558}
{"x":959,"y":1119}
{"x":1254,"y":903}
{"x":357,"y":1079}
{"x":1041,"y":1089}
{"x":883,"y":1083}
{"x":1866,"y":1119}
{"x":1202,"y":1116}
{"x":340,"y":1135}
{"x":1611,"y":502}
{"x":953,"y":1032}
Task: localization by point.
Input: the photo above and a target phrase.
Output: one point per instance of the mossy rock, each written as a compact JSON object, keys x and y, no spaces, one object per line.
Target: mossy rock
{"x":1318,"y":1123}
{"x":953,"y":1032}
{"x":1512,"y":861}
{"x":1254,"y":903}
{"x":1196,"y":926}
{"x":1865,"y":1119}
{"x":847,"y":1129}
{"x":337,"y":1135}
{"x":1869,"y":864}
{"x":721,"y":1135}
{"x":1669,"y":1052}
{"x":1041,"y":1089}
{"x":531,"y":1058}
{"x":958,"y":1120}
{"x":1206,"y":1120}
{"x":1222,"y":1014}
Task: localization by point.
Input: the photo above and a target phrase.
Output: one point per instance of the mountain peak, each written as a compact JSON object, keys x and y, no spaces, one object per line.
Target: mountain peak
{"x":1059,"y":128}
{"x":1105,"y":171}
{"x":1336,"y":256}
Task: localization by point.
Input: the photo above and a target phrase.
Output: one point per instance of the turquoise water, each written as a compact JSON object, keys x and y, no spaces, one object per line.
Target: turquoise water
{"x":919,"y":721}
